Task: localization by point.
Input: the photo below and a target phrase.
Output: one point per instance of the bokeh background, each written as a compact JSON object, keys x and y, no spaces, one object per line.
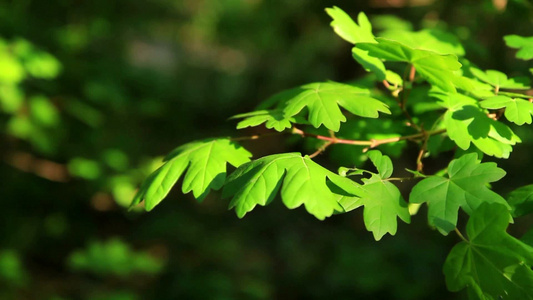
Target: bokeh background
{"x":94,"y":92}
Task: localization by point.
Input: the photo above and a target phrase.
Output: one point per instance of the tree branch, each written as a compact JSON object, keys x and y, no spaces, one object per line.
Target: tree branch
{"x":372,"y":143}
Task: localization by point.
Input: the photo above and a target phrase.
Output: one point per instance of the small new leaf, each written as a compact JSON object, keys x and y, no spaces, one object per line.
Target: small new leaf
{"x":383,"y":203}
{"x":301,"y":180}
{"x":347,"y":29}
{"x":465,"y":187}
{"x":517,"y":110}
{"x":205,"y":162}
{"x":492,"y":264}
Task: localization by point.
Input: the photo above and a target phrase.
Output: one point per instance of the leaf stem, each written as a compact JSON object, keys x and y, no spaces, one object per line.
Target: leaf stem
{"x":255,"y":136}
{"x":408,"y":78}
{"x":460,"y":235}
{"x":419,"y":164}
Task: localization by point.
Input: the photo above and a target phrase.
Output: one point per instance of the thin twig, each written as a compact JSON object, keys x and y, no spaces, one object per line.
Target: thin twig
{"x":419,"y":164}
{"x":321,"y":149}
{"x":460,"y":235}
{"x":255,"y":136}
{"x":372,"y":143}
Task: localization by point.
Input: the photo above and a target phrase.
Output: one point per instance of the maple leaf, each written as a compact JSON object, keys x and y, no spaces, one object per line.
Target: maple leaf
{"x":322,"y":101}
{"x":383,"y":203}
{"x":272,"y":119}
{"x":437,"y":69}
{"x":301,"y":180}
{"x":517,"y":110}
{"x":465,"y":187}
{"x":205,"y":162}
{"x":500,"y":80}
{"x":491,"y":264}
{"x":525,"y":44}
{"x":467,"y":123}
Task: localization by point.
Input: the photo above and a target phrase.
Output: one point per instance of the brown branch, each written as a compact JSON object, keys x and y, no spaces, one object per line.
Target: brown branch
{"x":255,"y":136}
{"x":44,"y":168}
{"x":321,"y":149}
{"x":419,"y":164}
{"x":372,"y":143}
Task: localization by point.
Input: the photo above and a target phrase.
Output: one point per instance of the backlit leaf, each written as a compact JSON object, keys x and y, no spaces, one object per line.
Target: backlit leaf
{"x":500,"y":80}
{"x":301,"y":180}
{"x":323,"y":99}
{"x":517,"y":110}
{"x":437,"y":69}
{"x":525,"y":44}
{"x":465,"y":187}
{"x":205,"y":162}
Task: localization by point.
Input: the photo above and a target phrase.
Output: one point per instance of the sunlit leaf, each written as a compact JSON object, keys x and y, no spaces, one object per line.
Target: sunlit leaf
{"x":205,"y":162}
{"x":465,"y":187}
{"x":302,"y":182}
{"x":525,"y":44}
{"x":437,"y":69}
{"x":517,"y":110}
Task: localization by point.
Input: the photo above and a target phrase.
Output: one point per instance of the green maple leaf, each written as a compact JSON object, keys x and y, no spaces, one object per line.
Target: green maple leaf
{"x":272,"y":118}
{"x":500,"y":80}
{"x":302,"y":181}
{"x":383,"y":203}
{"x":492,"y":264}
{"x":437,"y":69}
{"x":428,"y":39}
{"x":525,"y":44}
{"x":465,"y":187}
{"x":466,"y":123}
{"x":322,"y":101}
{"x":205,"y":162}
{"x":521,"y":201}
{"x":517,"y":110}
{"x":347,"y":29}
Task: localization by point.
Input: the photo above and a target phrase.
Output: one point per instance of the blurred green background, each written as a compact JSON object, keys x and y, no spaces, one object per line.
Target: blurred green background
{"x":93,"y":93}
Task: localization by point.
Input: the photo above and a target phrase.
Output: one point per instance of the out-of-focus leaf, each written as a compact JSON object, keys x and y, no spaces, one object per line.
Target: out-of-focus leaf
{"x":524,"y":44}
{"x":521,"y":200}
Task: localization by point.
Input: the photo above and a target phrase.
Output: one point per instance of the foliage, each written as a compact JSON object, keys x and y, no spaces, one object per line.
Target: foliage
{"x":492,"y":264}
{"x":92,"y":93}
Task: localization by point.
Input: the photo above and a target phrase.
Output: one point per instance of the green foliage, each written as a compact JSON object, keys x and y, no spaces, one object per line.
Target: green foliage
{"x":517,"y":110}
{"x":491,"y":264}
{"x":205,"y":162}
{"x":521,"y":201}
{"x":89,"y":94}
{"x":322,"y":101}
{"x":113,"y":258}
{"x":381,"y":199}
{"x":524,"y":44}
{"x":301,"y":180}
{"x":465,"y":187}
{"x":454,"y":103}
